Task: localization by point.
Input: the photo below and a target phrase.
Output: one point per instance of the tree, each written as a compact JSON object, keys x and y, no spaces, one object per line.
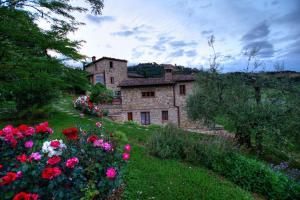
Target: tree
{"x":29,"y":75}
{"x":254,"y":105}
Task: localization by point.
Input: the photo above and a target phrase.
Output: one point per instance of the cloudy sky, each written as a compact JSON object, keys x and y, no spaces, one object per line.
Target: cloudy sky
{"x":176,"y":31}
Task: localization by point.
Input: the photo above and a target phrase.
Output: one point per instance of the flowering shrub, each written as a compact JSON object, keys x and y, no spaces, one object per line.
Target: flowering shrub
{"x":85,"y":105}
{"x":87,"y":164}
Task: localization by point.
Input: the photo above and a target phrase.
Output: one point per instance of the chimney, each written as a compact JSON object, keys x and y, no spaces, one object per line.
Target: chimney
{"x":93,"y":58}
{"x":168,"y":72}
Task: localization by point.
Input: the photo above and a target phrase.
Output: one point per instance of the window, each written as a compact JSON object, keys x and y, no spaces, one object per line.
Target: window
{"x":111,"y":64}
{"x":145,"y":118}
{"x":168,"y":70}
{"x":129,"y":116}
{"x":164,"y":115}
{"x":118,"y":93}
{"x":148,"y":94}
{"x":99,"y":78}
{"x":112,"y":80}
{"x":182,"y":89}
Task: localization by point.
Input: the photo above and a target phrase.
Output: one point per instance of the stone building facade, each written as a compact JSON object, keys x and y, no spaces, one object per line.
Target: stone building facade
{"x":145,"y":100}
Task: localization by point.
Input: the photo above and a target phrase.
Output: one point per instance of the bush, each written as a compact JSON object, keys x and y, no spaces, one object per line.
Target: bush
{"x":88,"y":164}
{"x":221,"y":157}
{"x":100,"y":94}
{"x":84,"y":104}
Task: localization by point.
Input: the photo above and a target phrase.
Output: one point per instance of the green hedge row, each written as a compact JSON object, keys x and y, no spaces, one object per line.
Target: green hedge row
{"x":221,"y":157}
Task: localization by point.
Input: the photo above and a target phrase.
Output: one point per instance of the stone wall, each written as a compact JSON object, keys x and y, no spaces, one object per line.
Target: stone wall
{"x":102,"y":67}
{"x":181,"y":102}
{"x":132,"y":101}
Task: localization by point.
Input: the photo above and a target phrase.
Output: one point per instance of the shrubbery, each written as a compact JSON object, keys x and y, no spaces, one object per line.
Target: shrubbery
{"x":88,"y":164}
{"x":85,"y":105}
{"x":100,"y":94}
{"x":220,"y":156}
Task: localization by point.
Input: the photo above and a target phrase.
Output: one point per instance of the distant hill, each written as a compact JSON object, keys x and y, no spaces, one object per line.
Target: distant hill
{"x":154,"y":70}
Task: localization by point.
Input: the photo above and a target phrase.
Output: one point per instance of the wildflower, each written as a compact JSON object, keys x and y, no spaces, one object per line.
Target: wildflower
{"x":111,"y":173}
{"x":28,"y":144}
{"x":127,"y":147}
{"x":72,"y":162}
{"x":92,"y":138}
{"x":98,"y":143}
{"x":99,"y":124}
{"x":126,"y":156}
{"x":19,"y":174}
{"x":8,"y":178}
{"x":55,"y":144}
{"x":53,"y":151}
{"x":106,"y":146}
{"x":50,"y":173}
{"x":22,"y":158}
{"x":35,"y":156}
{"x":25,"y":196}
{"x":42,"y":127}
{"x":71,"y":133}
{"x":53,"y":160}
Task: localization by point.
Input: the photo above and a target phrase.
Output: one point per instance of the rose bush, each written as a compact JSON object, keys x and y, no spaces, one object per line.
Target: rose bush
{"x":87,"y":163}
{"x":85,"y":105}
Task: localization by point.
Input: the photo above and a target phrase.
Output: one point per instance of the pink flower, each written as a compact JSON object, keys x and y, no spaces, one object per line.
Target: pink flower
{"x":81,"y":115}
{"x":35,"y":156}
{"x":50,"y":130}
{"x":29,"y":144}
{"x":19,"y":174}
{"x":98,"y":143}
{"x":72,"y":162}
{"x":8,"y":129}
{"x":106,"y":146}
{"x":98,"y":124}
{"x":55,"y":144}
{"x":126,"y":156}
{"x":127,"y":147}
{"x":111,"y":173}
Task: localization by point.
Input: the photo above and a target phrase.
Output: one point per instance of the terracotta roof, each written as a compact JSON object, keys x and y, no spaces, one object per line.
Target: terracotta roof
{"x":156,"y":81}
{"x":104,"y":58}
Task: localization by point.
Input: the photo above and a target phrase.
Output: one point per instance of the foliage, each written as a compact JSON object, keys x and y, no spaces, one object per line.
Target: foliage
{"x":100,"y":94}
{"x":154,"y":70}
{"x":85,"y":105}
{"x":27,"y":65}
{"x":219,"y":156}
{"x":88,"y":162}
{"x":75,"y":80}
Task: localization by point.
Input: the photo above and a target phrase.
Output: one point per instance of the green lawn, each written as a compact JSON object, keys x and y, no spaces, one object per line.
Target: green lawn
{"x":149,"y":177}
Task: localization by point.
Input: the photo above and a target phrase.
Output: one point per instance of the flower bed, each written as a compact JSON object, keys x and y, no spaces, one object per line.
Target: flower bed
{"x":88,"y":164}
{"x":84,"y":104}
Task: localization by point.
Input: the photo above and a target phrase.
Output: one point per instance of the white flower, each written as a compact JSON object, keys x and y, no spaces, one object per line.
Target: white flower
{"x":53,"y":151}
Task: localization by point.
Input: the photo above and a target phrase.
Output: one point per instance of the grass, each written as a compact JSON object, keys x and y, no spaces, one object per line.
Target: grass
{"x":149,"y":177}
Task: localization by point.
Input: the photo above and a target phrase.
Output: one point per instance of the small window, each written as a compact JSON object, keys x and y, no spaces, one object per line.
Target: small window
{"x":129,"y":116}
{"x":148,"y":94}
{"x":145,"y":118}
{"x":111,"y":64}
{"x":118,"y":93}
{"x":99,"y":79}
{"x":112,"y":80}
{"x":182,"y":89}
{"x":164,"y":115}
{"x":168,"y":70}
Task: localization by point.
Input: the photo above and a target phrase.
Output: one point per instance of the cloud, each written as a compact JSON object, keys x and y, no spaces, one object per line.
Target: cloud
{"x":181,"y":43}
{"x":100,"y":19}
{"x":177,"y":53}
{"x":160,"y":44}
{"x":260,"y":31}
{"x":141,"y":38}
{"x":129,"y":31}
{"x":206,"y":32}
{"x":266,"y":48}
{"x":191,"y":53}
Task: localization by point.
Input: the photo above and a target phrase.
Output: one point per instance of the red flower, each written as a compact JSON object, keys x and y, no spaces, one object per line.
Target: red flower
{"x":53,"y":160}
{"x":8,"y":178}
{"x":1,"y":166}
{"x":50,"y":173}
{"x":42,"y":127}
{"x":23,"y":128}
{"x":72,"y":162}
{"x":92,"y":138}
{"x":22,"y":158}
{"x":25,"y":196}
{"x":54,"y":144}
{"x":71,"y":133}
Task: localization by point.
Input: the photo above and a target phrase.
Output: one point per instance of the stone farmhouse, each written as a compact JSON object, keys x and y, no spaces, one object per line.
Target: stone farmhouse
{"x":143,"y":100}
